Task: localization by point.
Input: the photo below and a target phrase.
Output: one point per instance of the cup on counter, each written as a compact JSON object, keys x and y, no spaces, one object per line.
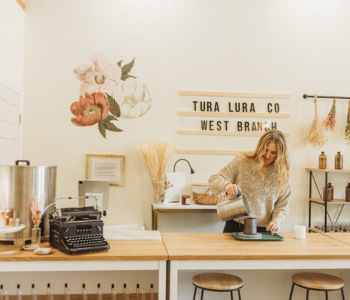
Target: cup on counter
{"x":299,"y":232}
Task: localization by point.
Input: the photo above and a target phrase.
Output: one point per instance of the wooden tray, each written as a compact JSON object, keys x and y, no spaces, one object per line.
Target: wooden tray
{"x":266,"y":236}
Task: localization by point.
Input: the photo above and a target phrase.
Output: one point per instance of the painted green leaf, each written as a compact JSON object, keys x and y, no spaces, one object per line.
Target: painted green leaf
{"x":110,"y":126}
{"x":110,"y":118}
{"x":102,"y":129}
{"x":113,"y":106}
{"x":127,"y":68}
{"x":126,"y":76}
{"x":120,"y":63}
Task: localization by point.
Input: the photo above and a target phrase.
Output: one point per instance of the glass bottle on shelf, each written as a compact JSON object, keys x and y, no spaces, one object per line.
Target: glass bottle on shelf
{"x":347,"y":193}
{"x":338,"y":165}
{"x":84,"y":292}
{"x":65,"y":291}
{"x":328,"y":195}
{"x":19,"y":292}
{"x":322,"y":161}
{"x":151,"y":293}
{"x":137,"y":291}
{"x":99,"y":292}
{"x":143,"y":295}
{"x":34,"y":293}
{"x":113,"y":292}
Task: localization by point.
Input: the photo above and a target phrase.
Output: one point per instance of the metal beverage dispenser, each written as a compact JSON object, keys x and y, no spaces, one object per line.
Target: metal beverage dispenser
{"x":19,"y":185}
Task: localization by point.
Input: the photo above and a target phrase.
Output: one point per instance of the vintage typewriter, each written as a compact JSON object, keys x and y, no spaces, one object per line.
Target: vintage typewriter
{"x":77,"y":230}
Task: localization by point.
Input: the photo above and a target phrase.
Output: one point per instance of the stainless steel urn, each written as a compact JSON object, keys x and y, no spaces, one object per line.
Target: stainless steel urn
{"x":20,"y":184}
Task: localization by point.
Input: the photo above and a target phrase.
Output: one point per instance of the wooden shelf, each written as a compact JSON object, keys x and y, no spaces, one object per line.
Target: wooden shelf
{"x":106,"y":296}
{"x":335,"y":201}
{"x":327,"y":170}
{"x":316,"y":230}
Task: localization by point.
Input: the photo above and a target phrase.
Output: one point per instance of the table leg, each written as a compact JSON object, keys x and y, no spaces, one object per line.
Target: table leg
{"x":173,"y":279}
{"x":162,"y":281}
{"x":155,"y":224}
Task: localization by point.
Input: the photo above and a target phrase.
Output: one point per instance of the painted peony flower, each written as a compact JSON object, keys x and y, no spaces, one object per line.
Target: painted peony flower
{"x":100,"y":76}
{"x":90,"y":109}
{"x":133,"y":98}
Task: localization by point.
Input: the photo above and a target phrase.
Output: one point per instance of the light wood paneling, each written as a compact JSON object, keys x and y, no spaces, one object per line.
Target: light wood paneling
{"x":223,"y":246}
{"x":224,"y":133}
{"x":120,"y":250}
{"x":232,"y":114}
{"x":234,"y":95}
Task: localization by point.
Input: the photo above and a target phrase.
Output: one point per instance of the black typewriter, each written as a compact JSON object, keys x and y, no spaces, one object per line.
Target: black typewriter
{"x":77,"y":230}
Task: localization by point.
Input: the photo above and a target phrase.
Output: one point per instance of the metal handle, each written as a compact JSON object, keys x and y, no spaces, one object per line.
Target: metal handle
{"x":18,"y":161}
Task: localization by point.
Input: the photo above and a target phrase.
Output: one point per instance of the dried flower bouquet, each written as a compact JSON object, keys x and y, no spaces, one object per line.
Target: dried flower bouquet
{"x":155,"y":157}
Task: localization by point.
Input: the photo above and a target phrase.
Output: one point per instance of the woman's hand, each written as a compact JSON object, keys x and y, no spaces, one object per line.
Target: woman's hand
{"x":232,"y":189}
{"x":272,"y":226}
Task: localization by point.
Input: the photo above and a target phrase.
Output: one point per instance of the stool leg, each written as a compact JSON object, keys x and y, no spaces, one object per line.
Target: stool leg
{"x":307,"y":294}
{"x":231,"y":296}
{"x":195,"y":290}
{"x":239,"y":294}
{"x":202,"y":294}
{"x":342,"y":293}
{"x":291,"y":292}
{"x":326,"y":295}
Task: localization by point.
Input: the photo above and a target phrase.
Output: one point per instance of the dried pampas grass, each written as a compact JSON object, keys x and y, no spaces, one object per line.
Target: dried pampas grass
{"x":347,"y":127}
{"x":155,"y":158}
{"x":315,"y":134}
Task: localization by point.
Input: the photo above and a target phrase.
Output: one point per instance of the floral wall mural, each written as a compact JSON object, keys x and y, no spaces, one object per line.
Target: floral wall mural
{"x":108,"y":92}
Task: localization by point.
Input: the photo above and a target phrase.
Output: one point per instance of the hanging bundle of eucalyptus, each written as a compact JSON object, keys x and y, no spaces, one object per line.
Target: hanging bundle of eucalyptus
{"x":315,"y":134}
{"x":329,"y":123}
{"x":347,"y":127}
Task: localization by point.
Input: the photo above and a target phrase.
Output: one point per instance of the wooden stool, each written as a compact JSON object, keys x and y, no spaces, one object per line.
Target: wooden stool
{"x":217,"y":282}
{"x":317,"y":282}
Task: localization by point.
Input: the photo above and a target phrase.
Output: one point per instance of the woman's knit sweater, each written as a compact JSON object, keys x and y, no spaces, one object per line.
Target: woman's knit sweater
{"x":267,"y":201}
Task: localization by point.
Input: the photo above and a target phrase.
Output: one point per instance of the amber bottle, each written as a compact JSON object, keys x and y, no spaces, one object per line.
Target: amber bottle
{"x":328,"y":196}
{"x":322,"y":161}
{"x":338,"y":165}
{"x":347,"y":193}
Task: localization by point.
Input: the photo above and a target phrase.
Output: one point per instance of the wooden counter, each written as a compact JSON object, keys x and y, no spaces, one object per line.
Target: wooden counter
{"x":223,"y":246}
{"x":119,"y":250}
{"x":342,"y":237}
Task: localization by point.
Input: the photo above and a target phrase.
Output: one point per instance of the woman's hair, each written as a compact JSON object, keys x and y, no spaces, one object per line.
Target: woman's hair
{"x":282,"y":159}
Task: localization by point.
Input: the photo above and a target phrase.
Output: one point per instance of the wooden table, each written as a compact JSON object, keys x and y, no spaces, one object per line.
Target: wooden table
{"x":342,"y":237}
{"x":123,"y":255}
{"x":220,"y":251}
{"x":178,"y":208}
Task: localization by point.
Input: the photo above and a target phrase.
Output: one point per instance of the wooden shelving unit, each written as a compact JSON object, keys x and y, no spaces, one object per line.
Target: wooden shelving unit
{"x":320,"y":201}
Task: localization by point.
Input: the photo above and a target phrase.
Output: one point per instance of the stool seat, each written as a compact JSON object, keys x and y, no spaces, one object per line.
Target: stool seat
{"x":217,"y":281}
{"x":318,"y":281}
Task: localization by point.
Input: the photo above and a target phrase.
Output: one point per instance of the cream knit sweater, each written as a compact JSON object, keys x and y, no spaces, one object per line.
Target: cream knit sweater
{"x":267,"y":202}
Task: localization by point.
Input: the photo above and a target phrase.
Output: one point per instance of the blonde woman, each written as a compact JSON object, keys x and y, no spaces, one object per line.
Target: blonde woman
{"x":263,"y":176}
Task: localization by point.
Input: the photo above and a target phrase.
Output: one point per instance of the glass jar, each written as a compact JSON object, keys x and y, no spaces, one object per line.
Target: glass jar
{"x":322,"y":161}
{"x":338,"y":165}
{"x":328,"y":196}
{"x":347,"y":193}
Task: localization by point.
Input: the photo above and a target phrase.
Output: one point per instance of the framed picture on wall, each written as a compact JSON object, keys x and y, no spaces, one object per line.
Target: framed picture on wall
{"x":106,"y":167}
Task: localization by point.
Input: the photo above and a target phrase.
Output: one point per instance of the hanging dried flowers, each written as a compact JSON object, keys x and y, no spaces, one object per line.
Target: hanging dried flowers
{"x":347,"y":127}
{"x":329,"y":123}
{"x":315,"y":134}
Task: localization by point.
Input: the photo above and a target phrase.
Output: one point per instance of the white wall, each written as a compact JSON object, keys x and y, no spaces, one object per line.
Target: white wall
{"x":293,"y":47}
{"x":12,"y":42}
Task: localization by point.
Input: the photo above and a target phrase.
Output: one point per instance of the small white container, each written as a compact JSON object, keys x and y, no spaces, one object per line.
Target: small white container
{"x":299,"y":232}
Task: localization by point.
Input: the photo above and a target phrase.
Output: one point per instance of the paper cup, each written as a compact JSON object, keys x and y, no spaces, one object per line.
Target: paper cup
{"x":299,"y":232}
